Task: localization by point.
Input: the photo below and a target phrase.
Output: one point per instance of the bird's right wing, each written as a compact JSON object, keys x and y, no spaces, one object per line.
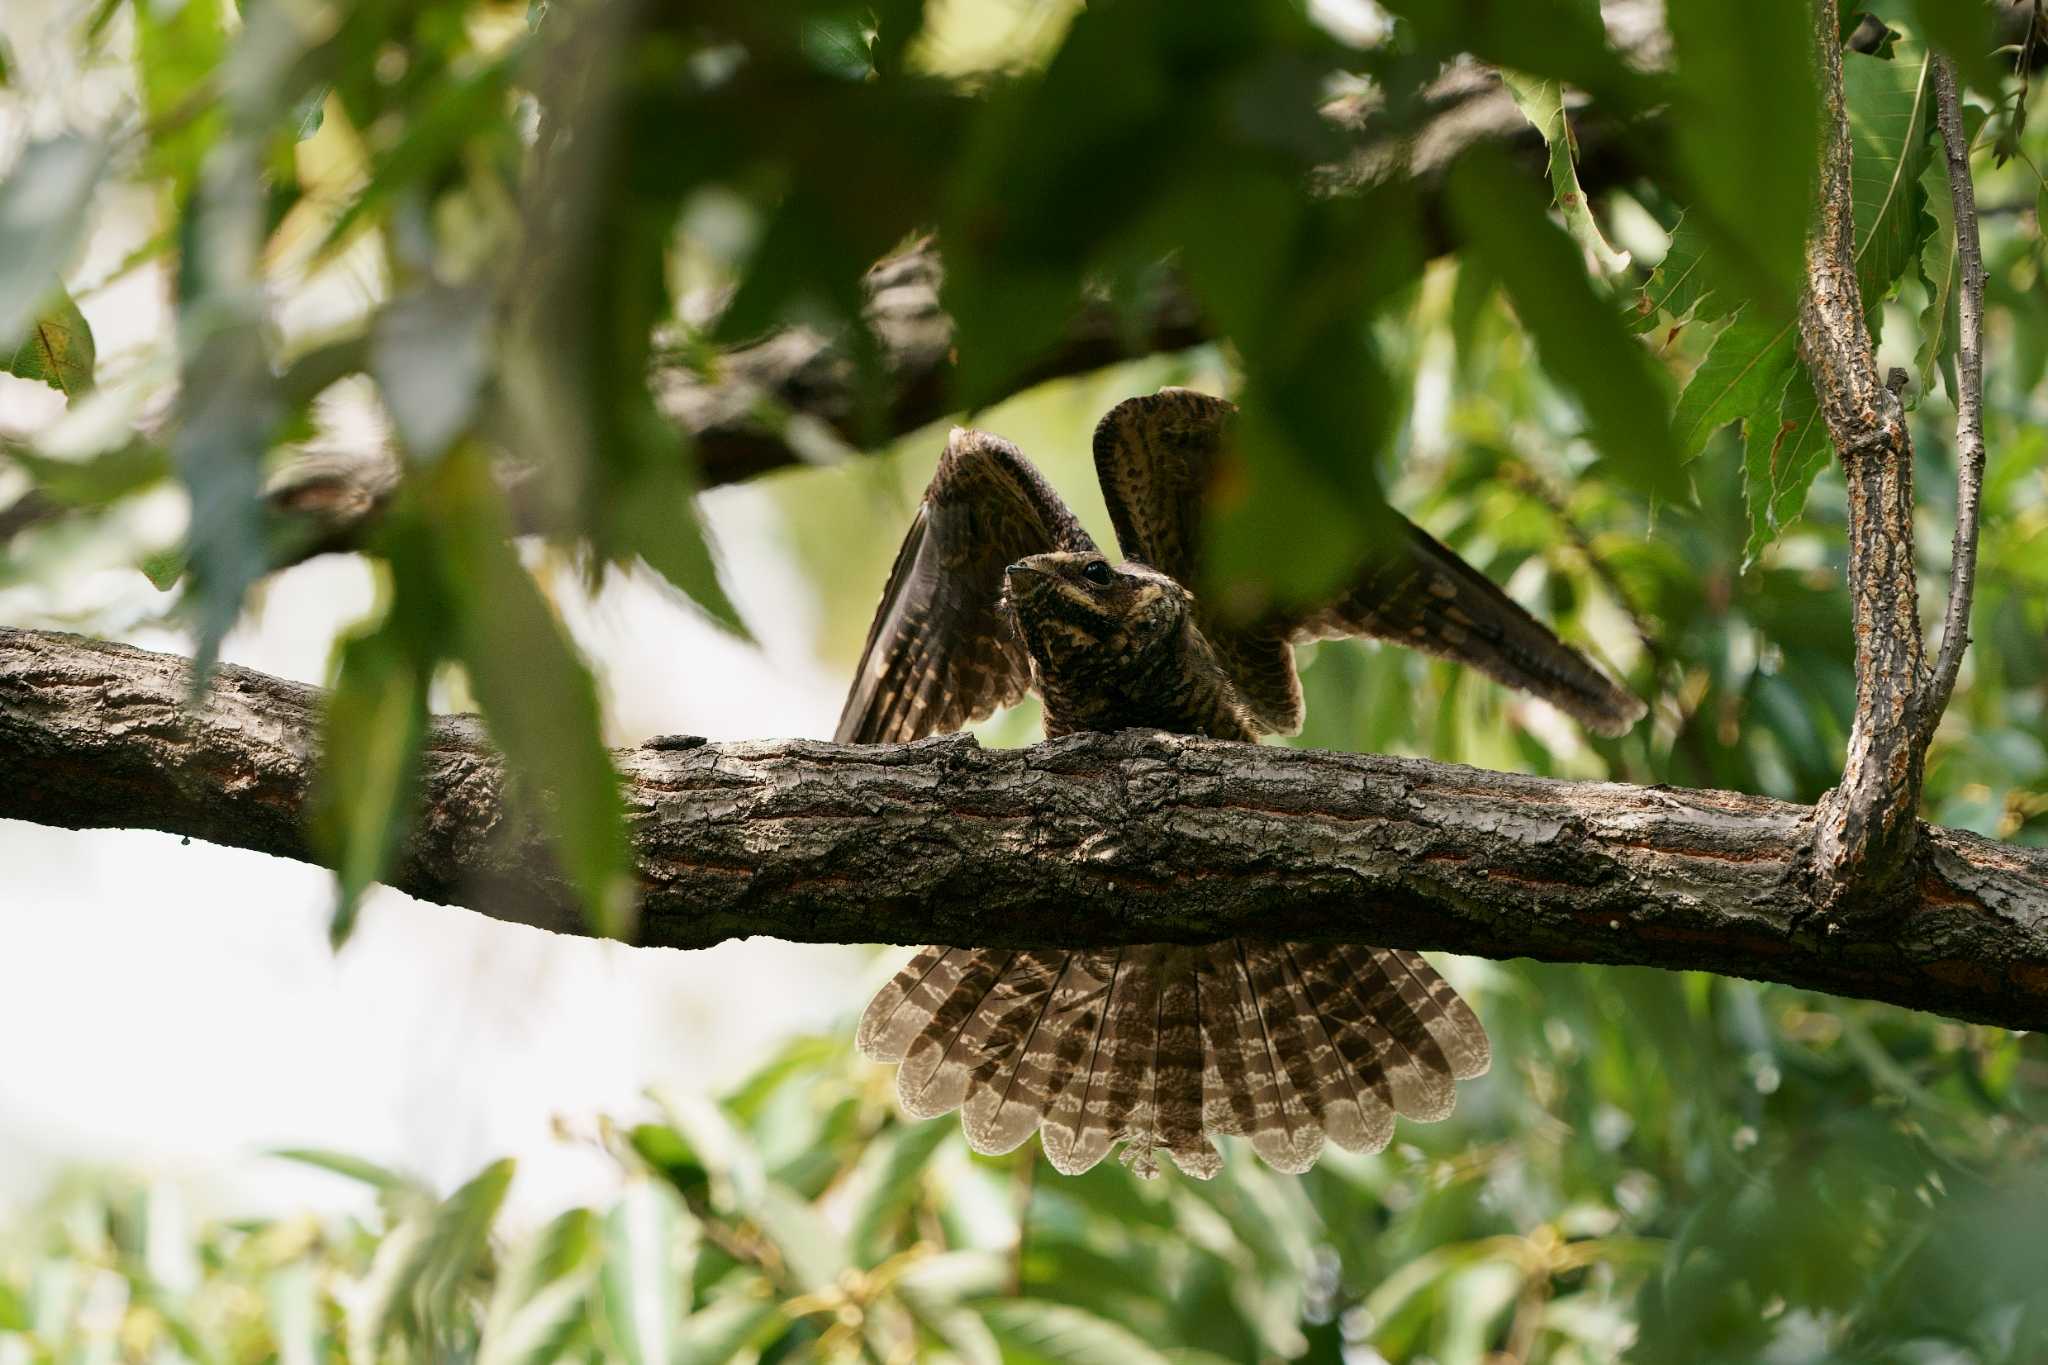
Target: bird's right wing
{"x":1157,"y":457}
{"x":941,"y":654}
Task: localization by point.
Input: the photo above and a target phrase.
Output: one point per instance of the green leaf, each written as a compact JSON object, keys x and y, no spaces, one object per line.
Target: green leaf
{"x":936,"y":1289}
{"x":363,"y":802}
{"x":1542,"y":103}
{"x":97,"y":481}
{"x":229,"y":408}
{"x":180,"y":50}
{"x":1583,"y":344}
{"x":451,"y":119}
{"x":381,"y":1178}
{"x":812,"y":1248}
{"x":430,"y":353}
{"x":1780,"y":460}
{"x":1891,"y":105}
{"x":1744,"y":372}
{"x":292,"y":1304}
{"x":1683,"y":287}
{"x":457,"y":1238}
{"x":722,"y":1329}
{"x":1032,"y":1330}
{"x":541,"y":1293}
{"x":1555,"y":39}
{"x":838,"y":46}
{"x":888,"y":1179}
{"x":58,"y":349}
{"x":649,"y":1248}
{"x":1745,"y":132}
{"x":1941,"y":274}
{"x":43,"y":204}
{"x":380,"y":1302}
{"x":726,"y":1154}
{"x":1968,"y":33}
{"x":537,"y":697}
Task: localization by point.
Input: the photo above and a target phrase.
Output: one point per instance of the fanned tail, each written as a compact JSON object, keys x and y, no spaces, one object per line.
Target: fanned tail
{"x":1162,"y":1047}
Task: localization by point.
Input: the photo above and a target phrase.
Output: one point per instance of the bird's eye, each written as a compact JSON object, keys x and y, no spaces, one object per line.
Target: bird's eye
{"x":1098,"y":572}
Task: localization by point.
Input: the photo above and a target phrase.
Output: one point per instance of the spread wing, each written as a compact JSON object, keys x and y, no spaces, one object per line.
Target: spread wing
{"x":1155,"y":457}
{"x":941,"y":654}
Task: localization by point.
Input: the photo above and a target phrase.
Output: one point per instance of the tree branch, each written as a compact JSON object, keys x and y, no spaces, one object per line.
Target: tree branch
{"x":1955,"y":628}
{"x":1867,"y":823}
{"x":1092,"y":839}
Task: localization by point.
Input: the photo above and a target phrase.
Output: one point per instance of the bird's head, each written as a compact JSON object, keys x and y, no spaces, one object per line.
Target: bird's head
{"x":1075,"y":606}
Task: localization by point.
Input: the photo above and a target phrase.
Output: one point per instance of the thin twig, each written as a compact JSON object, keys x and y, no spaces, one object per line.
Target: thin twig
{"x":1955,"y":629}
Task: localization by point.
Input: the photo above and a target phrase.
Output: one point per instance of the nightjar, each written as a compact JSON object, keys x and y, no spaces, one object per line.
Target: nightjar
{"x":997,"y":589}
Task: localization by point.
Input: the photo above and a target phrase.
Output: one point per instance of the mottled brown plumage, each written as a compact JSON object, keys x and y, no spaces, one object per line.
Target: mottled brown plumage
{"x":998,"y":589}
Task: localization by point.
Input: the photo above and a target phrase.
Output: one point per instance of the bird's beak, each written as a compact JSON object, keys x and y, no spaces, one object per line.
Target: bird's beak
{"x":1032,"y":567}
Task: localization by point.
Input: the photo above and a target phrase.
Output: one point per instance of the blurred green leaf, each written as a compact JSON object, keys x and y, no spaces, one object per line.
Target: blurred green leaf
{"x":1968,"y":34}
{"x":58,"y":349}
{"x":722,"y":1329}
{"x":1032,"y":1331}
{"x":649,"y":1244}
{"x":294,"y":1313}
{"x":181,"y":50}
{"x":96,"y":481}
{"x":379,"y":1304}
{"x":376,"y":719}
{"x":537,"y":696}
{"x":455,"y":112}
{"x":1745,"y":133}
{"x":736,"y":1176}
{"x":43,"y":206}
{"x":539,"y":1300}
{"x":1555,"y":39}
{"x":380,"y":1178}
{"x":1582,"y":341}
{"x":228,"y":408}
{"x":888,"y":1179}
{"x":430,"y":352}
{"x":455,"y":1248}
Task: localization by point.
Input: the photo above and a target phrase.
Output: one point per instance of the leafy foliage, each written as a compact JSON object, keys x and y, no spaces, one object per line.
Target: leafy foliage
{"x":1761,"y":1171}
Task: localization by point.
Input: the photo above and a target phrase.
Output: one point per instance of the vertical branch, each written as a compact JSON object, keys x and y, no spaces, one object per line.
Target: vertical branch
{"x":1866,"y":825}
{"x":1955,"y":629}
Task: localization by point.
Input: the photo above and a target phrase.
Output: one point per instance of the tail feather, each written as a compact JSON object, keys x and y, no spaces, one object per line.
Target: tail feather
{"x":1418,"y":1074}
{"x":1011,"y":1087}
{"x":1162,"y":1047}
{"x":935,"y":1074}
{"x":1289,"y":1132}
{"x":1226,"y":1073}
{"x":1178,"y":1069}
{"x":1131,"y":1044}
{"x":1449,"y":1019}
{"x":1358,"y":1103}
{"x":901,"y":1009}
{"x":1080,"y":1016}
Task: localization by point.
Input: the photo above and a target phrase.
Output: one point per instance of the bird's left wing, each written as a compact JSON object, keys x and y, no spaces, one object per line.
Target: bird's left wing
{"x":941,"y":654}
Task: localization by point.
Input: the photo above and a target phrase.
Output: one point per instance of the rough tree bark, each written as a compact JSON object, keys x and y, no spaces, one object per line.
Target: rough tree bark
{"x":1863,"y":843}
{"x":1087,"y":840}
